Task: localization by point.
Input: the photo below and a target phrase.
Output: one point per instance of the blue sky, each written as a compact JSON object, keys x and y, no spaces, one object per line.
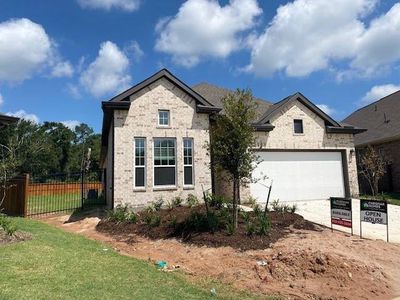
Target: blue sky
{"x":60,"y":59}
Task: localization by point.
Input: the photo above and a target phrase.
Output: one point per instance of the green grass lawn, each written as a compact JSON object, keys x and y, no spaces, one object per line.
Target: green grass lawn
{"x":392,"y":198}
{"x":60,"y":265}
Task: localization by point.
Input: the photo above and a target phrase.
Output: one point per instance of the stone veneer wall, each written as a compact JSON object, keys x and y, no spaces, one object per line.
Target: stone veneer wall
{"x":314,"y":137}
{"x":141,"y":121}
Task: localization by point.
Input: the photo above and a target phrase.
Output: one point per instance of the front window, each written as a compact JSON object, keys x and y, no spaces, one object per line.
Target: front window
{"x":188,"y":161}
{"x":164,"y":162}
{"x":163,"y":117}
{"x":298,"y":126}
{"x":140,"y":161}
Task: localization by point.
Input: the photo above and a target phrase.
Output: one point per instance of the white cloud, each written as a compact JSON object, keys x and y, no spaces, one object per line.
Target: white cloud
{"x":22,"y":114}
{"x":203,"y":28}
{"x":71,"y":124}
{"x":62,"y":69}
{"x":74,"y":91}
{"x":1,"y":100}
{"x":307,"y":35}
{"x":380,"y":43}
{"x":377,"y":92}
{"x":126,"y":5}
{"x":108,"y":73}
{"x":326,"y":109}
{"x":133,"y":50}
{"x":24,"y":48}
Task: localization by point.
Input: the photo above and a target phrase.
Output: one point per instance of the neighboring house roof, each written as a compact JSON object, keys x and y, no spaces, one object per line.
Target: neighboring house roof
{"x":214,"y":94}
{"x":381,"y":118}
{"x":5,"y":120}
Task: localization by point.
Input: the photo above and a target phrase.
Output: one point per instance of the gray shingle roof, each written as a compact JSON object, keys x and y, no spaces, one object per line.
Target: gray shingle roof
{"x":381,"y":118}
{"x":214,"y":94}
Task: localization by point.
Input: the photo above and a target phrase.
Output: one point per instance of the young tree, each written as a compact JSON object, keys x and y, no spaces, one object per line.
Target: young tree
{"x":232,"y":137}
{"x":372,"y":167}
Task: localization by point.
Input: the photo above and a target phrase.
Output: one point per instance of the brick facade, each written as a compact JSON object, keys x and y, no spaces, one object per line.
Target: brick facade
{"x":141,"y":120}
{"x":315,"y":137}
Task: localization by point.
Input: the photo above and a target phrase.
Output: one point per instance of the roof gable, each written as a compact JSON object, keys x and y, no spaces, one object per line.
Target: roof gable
{"x":381,"y":118}
{"x":277,"y":108}
{"x":164,"y":73}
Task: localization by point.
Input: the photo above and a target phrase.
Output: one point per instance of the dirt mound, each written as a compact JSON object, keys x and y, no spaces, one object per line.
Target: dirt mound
{"x":282,"y":224}
{"x":293,"y":273}
{"x":18,"y":236}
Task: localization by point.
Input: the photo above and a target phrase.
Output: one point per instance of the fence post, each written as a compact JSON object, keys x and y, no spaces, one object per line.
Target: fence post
{"x":25,"y":195}
{"x":82,"y":191}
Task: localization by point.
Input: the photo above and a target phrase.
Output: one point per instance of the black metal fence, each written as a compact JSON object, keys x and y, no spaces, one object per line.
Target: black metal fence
{"x":64,"y":192}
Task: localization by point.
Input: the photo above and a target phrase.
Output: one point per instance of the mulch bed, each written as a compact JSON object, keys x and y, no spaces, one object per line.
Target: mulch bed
{"x":18,"y":236}
{"x":281,"y":225}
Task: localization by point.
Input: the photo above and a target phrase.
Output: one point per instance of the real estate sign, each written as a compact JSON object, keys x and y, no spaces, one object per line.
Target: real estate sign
{"x":341,"y":213}
{"x":373,"y":211}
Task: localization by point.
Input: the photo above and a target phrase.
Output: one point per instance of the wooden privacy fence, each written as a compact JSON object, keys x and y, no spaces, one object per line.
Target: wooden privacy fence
{"x":15,"y":201}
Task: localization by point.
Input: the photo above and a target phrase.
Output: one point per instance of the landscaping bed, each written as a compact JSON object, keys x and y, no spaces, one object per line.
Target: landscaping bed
{"x":16,"y":237}
{"x":187,"y":224}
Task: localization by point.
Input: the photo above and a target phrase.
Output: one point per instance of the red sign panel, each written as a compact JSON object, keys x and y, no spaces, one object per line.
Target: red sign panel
{"x":341,"y":222}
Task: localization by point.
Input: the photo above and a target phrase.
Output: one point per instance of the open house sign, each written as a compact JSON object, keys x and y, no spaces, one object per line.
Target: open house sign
{"x":375,"y":212}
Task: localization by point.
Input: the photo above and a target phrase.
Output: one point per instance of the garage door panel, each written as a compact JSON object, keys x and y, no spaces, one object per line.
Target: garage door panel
{"x":299,"y":176}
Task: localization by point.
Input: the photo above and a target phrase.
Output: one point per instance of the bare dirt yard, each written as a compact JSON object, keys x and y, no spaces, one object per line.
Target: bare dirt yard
{"x":303,"y":263}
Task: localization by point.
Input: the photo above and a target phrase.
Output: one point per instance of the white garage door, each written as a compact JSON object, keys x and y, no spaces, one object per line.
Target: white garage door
{"x":299,"y":176}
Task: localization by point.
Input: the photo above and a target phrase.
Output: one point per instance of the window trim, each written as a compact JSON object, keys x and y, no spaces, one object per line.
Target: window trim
{"x":186,"y":165}
{"x":169,"y":118}
{"x":135,"y":166}
{"x":302,"y":127}
{"x":170,"y":186}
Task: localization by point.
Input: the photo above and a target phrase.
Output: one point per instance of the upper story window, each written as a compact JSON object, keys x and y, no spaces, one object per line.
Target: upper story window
{"x":298,"y":126}
{"x":163,"y":118}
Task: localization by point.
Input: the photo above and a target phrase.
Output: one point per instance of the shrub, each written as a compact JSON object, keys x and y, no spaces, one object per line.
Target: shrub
{"x":251,"y":201}
{"x":198,"y":222}
{"x":121,"y":214}
{"x":174,"y":222}
{"x":257,"y":210}
{"x":224,"y":214}
{"x":250,"y":228}
{"x":245,"y":216}
{"x":152,"y":220}
{"x":158,"y":204}
{"x":7,"y":224}
{"x":275,"y":205}
{"x":192,"y":200}
{"x":230,"y":228}
{"x":176,"y":201}
{"x":264,"y":224}
{"x":293,"y":208}
{"x":217,"y":201}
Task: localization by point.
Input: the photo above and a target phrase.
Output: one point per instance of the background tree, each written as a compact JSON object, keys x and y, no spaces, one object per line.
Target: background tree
{"x":232,"y":137}
{"x":372,"y":166}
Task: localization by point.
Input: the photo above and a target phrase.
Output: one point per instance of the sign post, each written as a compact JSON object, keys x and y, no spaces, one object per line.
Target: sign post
{"x":341,"y":213}
{"x":375,"y":212}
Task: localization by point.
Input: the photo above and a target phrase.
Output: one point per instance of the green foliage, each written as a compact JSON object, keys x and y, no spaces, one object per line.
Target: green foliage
{"x":157,"y":205}
{"x":173,"y":222}
{"x":122,"y":214}
{"x":264,"y":224}
{"x":51,"y":147}
{"x":251,"y":201}
{"x":7,"y":224}
{"x":245,"y":216}
{"x":230,"y":227}
{"x":217,"y":201}
{"x":199,"y":222}
{"x":152,"y":219}
{"x":250,"y":228}
{"x":192,"y":200}
{"x":283,"y":208}
{"x":257,"y":210}
{"x":176,"y":201}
